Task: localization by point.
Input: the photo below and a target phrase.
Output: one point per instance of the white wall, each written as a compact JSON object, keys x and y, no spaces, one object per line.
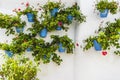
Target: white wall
{"x":88,"y":65}
{"x":49,"y":71}
{"x":92,"y":65}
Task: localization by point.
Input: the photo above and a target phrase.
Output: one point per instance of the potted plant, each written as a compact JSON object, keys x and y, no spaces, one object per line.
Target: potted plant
{"x":49,"y":24}
{"x":7,"y":49}
{"x":92,"y":42}
{"x":104,"y":6}
{"x":107,"y":36}
{"x":41,"y":50}
{"x":97,"y":45}
{"x":29,"y":11}
{"x":73,"y":12}
{"x":18,"y":69}
{"x":38,"y":28}
{"x":18,"y":24}
{"x":59,"y":27}
{"x":45,"y":52}
{"x":8,"y":22}
{"x":43,"y":32}
{"x":52,"y":7}
{"x":64,"y":43}
{"x":23,"y":41}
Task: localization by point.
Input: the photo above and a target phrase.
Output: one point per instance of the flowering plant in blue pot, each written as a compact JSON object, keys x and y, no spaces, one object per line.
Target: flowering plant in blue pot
{"x":52,"y":7}
{"x":7,"y":49}
{"x":9,"y":53}
{"x":97,"y":46}
{"x":9,"y":22}
{"x":29,"y":11}
{"x":64,"y":43}
{"x":107,"y":37}
{"x":28,"y":49}
{"x":104,"y":7}
{"x":73,"y":12}
{"x":43,"y":33}
{"x":61,"y":48}
{"x":59,"y":27}
{"x":18,"y":24}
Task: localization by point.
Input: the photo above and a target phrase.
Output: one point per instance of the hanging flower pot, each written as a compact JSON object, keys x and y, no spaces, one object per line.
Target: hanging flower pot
{"x":70,"y":17}
{"x":28,"y":49}
{"x":9,"y":53}
{"x":59,"y":27}
{"x":44,"y":56}
{"x":19,"y":29}
{"x":97,"y":46}
{"x":54,"y":11}
{"x":43,"y":33}
{"x":104,"y":13}
{"x":61,"y":48}
{"x":30,"y":17}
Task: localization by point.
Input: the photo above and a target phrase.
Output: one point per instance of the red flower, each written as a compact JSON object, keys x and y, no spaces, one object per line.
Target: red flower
{"x":19,"y":9}
{"x":77,"y":44}
{"x":104,"y":53}
{"x":59,"y":23}
{"x":27,"y":4}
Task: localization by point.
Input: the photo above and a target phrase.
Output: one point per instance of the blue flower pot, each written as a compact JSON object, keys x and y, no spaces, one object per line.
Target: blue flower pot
{"x":9,"y":53}
{"x":45,"y":56}
{"x":58,"y":28}
{"x":104,"y":13}
{"x":19,"y":30}
{"x":43,"y":33}
{"x":30,"y":17}
{"x":61,"y":48}
{"x":97,"y":46}
{"x":54,"y":11}
{"x":70,"y":17}
{"x":28,"y":49}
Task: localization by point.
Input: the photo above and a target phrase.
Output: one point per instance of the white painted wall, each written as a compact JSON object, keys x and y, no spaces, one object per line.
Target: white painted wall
{"x":88,"y":65}
{"x":91,"y":65}
{"x":49,"y":71}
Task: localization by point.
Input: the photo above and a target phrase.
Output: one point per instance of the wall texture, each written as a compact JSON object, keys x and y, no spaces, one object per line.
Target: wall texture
{"x":88,"y":65}
{"x":49,"y":71}
{"x":92,"y":65}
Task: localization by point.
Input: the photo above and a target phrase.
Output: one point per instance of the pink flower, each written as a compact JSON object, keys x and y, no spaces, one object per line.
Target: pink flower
{"x":27,"y":4}
{"x":77,"y":44}
{"x":59,"y":23}
{"x":104,"y":53}
{"x":14,"y":10}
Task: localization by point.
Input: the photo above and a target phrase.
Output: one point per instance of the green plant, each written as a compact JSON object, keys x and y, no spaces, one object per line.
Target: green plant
{"x":74,"y":11}
{"x":65,"y":40}
{"x":107,"y":36}
{"x":46,"y":53}
{"x":18,"y":69}
{"x":41,"y":50}
{"x":36,"y":28}
{"x":51,"y":5}
{"x":4,"y":46}
{"x":105,"y":4}
{"x":28,"y":9}
{"x":8,"y":22}
{"x":51,"y":23}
